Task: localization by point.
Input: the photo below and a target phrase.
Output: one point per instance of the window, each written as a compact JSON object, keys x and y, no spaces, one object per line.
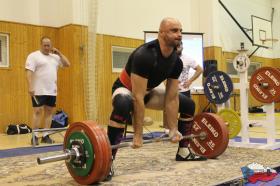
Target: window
{"x":4,"y":50}
{"x":120,"y":56}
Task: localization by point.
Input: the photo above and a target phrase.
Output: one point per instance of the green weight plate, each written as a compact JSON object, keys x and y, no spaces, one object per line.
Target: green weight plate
{"x":89,"y":153}
{"x":96,"y":173}
{"x":232,"y":121}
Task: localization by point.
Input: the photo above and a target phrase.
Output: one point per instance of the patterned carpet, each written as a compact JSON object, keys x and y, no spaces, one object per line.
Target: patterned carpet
{"x":153,"y":164}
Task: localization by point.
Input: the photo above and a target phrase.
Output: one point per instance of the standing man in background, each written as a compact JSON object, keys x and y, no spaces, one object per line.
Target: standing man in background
{"x":184,"y":80}
{"x":41,"y":70}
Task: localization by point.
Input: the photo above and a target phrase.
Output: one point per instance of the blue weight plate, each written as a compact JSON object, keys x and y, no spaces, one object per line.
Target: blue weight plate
{"x":218,"y":87}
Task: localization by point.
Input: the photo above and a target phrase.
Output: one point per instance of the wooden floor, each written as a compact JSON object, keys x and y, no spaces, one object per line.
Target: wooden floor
{"x":23,"y":140}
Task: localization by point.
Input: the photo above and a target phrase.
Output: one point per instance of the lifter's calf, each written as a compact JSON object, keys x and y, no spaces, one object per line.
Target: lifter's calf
{"x":184,"y":153}
{"x":115,"y":134}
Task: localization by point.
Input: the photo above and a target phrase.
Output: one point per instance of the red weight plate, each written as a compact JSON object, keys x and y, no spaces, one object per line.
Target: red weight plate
{"x":217,"y":136}
{"x":277,"y":99}
{"x":88,"y":127}
{"x":265,"y":76}
{"x":102,"y":150}
{"x":107,"y":152}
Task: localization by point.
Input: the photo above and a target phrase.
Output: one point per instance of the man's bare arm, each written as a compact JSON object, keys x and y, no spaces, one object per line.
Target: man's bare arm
{"x":64,"y":60}
{"x":188,"y":82}
{"x":139,"y":86}
{"x":198,"y":71}
{"x":171,"y":104}
{"x":29,"y":75}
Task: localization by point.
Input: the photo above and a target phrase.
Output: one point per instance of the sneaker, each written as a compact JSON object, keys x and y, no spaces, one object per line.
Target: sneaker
{"x":111,"y":174}
{"x":47,"y":139}
{"x":190,"y":157}
{"x":35,"y":142}
{"x":165,"y":133}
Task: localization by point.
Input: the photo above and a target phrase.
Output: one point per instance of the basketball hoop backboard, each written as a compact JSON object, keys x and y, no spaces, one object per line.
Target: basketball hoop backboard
{"x":262,"y":32}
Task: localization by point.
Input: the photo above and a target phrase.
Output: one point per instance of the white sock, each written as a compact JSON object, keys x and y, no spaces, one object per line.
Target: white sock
{"x":45,"y":134}
{"x":36,"y":134}
{"x":183,"y":152}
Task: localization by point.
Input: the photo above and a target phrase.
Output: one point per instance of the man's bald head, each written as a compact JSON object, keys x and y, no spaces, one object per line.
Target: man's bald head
{"x":167,"y":22}
{"x":170,"y":32}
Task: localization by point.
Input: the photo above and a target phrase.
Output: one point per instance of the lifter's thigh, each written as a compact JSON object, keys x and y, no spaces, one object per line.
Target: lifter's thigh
{"x":155,"y":99}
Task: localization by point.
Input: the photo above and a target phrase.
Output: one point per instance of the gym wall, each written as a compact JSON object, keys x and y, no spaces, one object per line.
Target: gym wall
{"x":25,"y":38}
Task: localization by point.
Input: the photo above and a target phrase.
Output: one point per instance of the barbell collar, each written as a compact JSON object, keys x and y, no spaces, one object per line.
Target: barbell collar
{"x":215,"y":87}
{"x":67,"y":155}
{"x":264,"y":85}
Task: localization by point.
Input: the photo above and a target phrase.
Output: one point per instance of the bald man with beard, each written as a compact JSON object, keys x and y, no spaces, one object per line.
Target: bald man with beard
{"x":135,"y":89}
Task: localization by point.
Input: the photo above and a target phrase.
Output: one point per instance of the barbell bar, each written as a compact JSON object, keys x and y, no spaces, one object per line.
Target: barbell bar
{"x":74,"y":153}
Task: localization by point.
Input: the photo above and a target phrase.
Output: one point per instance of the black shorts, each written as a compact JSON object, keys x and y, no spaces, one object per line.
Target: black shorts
{"x":44,"y":100}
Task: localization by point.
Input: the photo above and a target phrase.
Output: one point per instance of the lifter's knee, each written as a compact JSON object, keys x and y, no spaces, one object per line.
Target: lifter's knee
{"x":186,"y":106}
{"x":122,"y":110}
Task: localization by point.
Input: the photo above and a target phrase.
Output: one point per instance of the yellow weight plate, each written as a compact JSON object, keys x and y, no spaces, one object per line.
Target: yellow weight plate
{"x":232,"y":121}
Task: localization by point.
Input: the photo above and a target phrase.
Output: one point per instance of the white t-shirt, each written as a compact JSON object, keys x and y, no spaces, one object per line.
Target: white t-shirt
{"x":188,"y":63}
{"x":44,"y":68}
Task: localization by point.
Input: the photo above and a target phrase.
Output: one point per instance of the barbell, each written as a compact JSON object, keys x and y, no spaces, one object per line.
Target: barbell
{"x":88,"y":153}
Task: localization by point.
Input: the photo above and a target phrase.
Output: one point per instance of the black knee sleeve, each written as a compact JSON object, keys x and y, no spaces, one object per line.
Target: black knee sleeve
{"x":186,"y":106}
{"x":122,"y":109}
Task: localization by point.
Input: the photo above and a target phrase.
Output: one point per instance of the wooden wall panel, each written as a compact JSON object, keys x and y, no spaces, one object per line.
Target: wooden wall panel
{"x":15,"y":102}
{"x":70,"y":80}
{"x":214,"y":53}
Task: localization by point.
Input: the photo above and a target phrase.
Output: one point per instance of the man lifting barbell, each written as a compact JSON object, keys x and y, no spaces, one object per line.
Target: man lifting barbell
{"x":147,"y":67}
{"x":88,"y":151}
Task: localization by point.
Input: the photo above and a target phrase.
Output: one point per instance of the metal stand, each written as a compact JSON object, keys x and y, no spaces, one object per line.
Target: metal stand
{"x":51,"y":131}
{"x":268,"y":123}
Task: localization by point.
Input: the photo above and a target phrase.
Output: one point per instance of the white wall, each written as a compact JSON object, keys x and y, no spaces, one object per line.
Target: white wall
{"x":229,"y":35}
{"x":22,"y":11}
{"x":53,"y":13}
{"x":129,"y":18}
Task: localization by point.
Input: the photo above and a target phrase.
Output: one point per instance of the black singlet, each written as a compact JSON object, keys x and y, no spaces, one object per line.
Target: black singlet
{"x":148,"y":62}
